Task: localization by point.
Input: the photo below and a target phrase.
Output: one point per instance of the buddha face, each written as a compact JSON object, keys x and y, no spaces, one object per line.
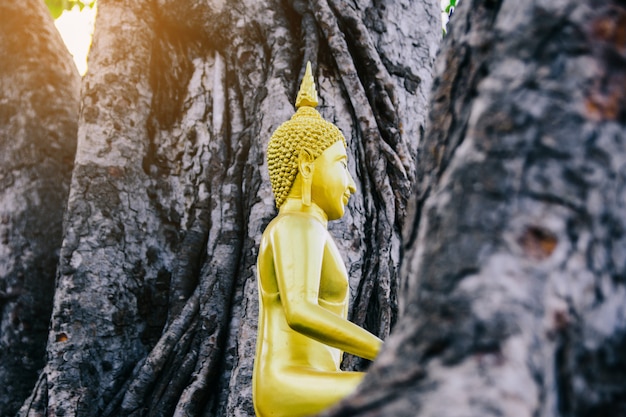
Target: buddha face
{"x":332,"y":184}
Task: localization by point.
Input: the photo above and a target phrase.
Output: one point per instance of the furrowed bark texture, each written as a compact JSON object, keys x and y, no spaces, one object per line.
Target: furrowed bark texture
{"x":155,"y":307}
{"x":39,"y":88}
{"x":515,"y":298}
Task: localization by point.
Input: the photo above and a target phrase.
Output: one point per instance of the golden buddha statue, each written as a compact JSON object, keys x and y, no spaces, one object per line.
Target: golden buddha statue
{"x":303,"y":284}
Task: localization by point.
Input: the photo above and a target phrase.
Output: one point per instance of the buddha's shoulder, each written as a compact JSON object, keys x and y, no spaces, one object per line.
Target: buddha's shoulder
{"x":292,"y":222}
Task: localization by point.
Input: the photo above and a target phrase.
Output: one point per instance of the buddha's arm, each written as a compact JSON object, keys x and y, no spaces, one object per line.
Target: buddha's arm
{"x":298,"y":248}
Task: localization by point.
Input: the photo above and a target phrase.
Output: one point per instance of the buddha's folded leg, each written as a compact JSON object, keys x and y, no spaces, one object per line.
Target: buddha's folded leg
{"x":300,"y":392}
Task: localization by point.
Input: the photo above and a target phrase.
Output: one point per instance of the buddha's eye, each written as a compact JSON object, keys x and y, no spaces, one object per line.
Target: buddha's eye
{"x":344,"y":163}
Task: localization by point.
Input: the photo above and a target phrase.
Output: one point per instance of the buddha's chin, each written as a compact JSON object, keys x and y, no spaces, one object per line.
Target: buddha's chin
{"x":336,"y":214}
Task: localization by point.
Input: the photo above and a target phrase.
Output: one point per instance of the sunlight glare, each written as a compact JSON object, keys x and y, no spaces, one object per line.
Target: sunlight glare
{"x":76,"y":28}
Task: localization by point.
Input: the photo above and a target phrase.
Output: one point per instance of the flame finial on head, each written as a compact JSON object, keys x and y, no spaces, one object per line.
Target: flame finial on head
{"x":307,"y":96}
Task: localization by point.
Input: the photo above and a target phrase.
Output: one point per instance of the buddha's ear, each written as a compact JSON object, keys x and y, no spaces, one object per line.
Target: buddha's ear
{"x":305,"y":163}
{"x":305,"y":168}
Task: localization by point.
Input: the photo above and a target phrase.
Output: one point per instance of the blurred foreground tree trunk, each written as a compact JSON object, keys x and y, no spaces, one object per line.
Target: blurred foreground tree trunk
{"x":514,"y":301}
{"x":39,"y":92}
{"x":155,"y":303}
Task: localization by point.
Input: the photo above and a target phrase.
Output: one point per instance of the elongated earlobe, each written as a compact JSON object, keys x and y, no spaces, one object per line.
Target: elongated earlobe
{"x":306,"y":191}
{"x":305,"y":167}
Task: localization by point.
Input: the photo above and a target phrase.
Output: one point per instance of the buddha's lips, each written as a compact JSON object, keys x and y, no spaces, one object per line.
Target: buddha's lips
{"x":346,"y":198}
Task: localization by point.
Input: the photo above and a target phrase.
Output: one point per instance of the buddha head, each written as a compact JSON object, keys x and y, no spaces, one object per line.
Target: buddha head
{"x":305,"y":136}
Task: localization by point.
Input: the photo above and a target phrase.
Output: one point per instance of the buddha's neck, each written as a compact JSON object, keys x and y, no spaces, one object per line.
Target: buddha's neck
{"x":294,"y":205}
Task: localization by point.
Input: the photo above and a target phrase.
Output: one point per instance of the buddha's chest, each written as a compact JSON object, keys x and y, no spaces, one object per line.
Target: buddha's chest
{"x":334,"y":286}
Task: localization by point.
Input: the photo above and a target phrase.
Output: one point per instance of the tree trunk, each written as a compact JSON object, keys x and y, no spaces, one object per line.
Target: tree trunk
{"x":155,"y":304}
{"x":39,"y":92}
{"x":515,"y":297}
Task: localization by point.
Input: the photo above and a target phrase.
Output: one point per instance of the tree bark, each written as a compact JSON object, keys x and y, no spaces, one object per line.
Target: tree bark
{"x":512,"y":287}
{"x":515,"y":262}
{"x":39,"y":92}
{"x":155,"y":304}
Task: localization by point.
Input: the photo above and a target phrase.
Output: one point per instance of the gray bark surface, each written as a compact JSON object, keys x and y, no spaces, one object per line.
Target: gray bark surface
{"x":515,"y":298}
{"x":39,"y":92}
{"x":155,"y":304}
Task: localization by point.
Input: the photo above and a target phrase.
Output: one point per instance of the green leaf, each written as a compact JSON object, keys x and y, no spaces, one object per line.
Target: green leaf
{"x":451,"y":4}
{"x":57,"y":7}
{"x":56,"y":12}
